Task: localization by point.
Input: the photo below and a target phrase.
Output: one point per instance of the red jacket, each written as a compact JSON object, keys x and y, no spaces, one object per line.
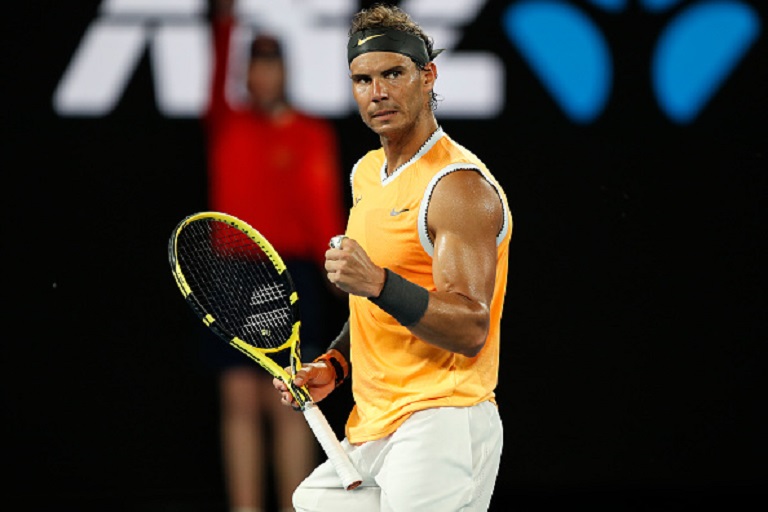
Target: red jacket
{"x":282,"y":176}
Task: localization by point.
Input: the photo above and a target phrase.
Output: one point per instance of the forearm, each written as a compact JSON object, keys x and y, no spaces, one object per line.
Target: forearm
{"x":449,"y":320}
{"x":337,"y":355}
{"x":454,"y":322}
{"x":341,"y":343}
{"x":222,"y":35}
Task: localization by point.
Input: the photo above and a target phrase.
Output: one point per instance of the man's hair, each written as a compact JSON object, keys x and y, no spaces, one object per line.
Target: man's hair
{"x":383,"y":15}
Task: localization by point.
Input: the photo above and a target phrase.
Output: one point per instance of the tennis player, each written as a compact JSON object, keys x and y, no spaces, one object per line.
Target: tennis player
{"x":424,"y":260}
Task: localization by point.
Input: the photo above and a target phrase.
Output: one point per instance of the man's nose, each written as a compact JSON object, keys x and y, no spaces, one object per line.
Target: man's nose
{"x":379,"y":90}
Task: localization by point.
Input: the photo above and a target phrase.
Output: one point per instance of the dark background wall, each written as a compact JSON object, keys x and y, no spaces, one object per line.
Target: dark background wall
{"x":634,"y":330}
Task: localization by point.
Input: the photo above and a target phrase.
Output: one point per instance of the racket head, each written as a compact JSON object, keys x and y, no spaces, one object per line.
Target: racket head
{"x":238,"y":285}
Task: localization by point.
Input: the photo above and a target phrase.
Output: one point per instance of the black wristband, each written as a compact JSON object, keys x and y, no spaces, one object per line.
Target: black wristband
{"x":405,"y":301}
{"x":337,"y":363}
{"x":338,"y":369}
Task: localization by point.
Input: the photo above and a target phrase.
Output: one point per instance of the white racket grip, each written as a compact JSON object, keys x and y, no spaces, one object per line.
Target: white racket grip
{"x":350,"y":478}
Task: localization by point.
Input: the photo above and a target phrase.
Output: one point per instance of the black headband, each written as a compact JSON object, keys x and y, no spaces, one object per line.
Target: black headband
{"x":389,"y":40}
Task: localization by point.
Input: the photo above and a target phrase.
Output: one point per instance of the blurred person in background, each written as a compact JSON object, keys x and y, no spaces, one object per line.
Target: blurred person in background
{"x":277,"y":169}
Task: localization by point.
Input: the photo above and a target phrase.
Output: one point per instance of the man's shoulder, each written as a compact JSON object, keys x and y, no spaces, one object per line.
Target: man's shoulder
{"x":369,"y":164}
{"x":457,"y":153}
{"x":373,"y":157}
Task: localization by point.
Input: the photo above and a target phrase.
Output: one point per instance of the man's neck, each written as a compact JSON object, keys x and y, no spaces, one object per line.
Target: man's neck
{"x":399,"y":148}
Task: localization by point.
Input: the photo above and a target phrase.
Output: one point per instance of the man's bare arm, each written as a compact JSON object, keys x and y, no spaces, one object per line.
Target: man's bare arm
{"x":465,"y":215}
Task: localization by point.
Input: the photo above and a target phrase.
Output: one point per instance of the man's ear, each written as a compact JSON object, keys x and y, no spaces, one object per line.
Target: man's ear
{"x":430,"y":74}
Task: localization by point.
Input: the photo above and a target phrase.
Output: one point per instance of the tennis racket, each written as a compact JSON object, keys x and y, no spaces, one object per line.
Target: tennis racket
{"x":236,"y":282}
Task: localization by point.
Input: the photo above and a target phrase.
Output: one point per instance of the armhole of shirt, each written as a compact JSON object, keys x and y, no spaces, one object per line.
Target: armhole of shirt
{"x":426,"y":241}
{"x":352,"y":179}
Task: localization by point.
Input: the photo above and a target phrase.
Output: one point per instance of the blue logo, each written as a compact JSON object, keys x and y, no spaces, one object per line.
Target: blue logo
{"x":692,"y":57}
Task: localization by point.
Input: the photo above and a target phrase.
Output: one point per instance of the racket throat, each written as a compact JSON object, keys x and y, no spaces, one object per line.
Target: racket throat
{"x":301,"y":395}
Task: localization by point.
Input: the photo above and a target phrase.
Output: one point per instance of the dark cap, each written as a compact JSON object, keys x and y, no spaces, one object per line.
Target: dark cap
{"x":266,"y":47}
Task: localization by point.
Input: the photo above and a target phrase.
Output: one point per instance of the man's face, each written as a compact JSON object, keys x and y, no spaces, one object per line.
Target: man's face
{"x":390,"y":91}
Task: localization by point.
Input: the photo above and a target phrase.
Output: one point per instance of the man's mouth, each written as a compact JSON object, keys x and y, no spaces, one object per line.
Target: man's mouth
{"x":382,"y":113}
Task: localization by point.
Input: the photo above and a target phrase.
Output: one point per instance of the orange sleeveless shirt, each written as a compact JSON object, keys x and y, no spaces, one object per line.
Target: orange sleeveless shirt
{"x":396,"y":373}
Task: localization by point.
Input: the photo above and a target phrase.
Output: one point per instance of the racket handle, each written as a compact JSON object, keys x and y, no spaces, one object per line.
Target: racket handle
{"x":333,"y":449}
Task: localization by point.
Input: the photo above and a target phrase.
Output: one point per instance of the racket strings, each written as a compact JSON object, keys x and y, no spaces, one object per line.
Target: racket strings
{"x":235,"y":280}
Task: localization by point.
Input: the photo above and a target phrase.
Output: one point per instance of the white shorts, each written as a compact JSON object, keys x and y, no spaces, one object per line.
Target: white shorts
{"x":443,"y":460}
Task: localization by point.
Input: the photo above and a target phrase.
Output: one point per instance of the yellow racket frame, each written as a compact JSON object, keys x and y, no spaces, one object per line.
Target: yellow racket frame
{"x":301,"y":394}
